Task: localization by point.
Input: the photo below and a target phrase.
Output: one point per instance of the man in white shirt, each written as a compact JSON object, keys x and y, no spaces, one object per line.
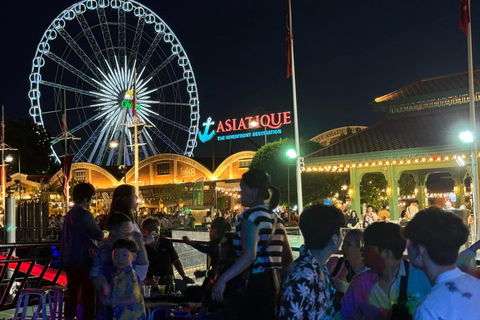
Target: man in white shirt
{"x":434,"y":237}
{"x":412,"y":210}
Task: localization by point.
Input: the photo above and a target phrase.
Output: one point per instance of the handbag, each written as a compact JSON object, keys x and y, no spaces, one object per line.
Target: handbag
{"x":400,"y":310}
{"x":236,"y":286}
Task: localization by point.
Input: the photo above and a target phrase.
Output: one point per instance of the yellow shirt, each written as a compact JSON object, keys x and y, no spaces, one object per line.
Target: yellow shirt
{"x":383,"y":215}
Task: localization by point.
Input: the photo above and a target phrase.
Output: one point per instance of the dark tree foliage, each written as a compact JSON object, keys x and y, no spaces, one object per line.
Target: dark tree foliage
{"x":373,"y":188}
{"x":318,"y":186}
{"x":33,"y":142}
{"x":272,"y":159}
{"x":407,"y":184}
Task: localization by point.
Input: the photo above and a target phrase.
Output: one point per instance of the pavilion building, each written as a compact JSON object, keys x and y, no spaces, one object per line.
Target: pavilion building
{"x":419,"y":136}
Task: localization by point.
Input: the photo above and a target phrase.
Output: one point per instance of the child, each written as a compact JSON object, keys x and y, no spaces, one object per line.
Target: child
{"x":218,"y":228}
{"x":103,"y":270}
{"x":127,"y":300}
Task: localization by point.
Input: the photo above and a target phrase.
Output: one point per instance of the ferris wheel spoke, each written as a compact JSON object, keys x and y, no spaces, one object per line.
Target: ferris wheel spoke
{"x":167,"y":140}
{"x":107,"y":38}
{"x":150,"y":143}
{"x":165,"y":86}
{"x":122,"y":42}
{"x":136,"y":41}
{"x":164,"y":119}
{"x":70,"y":68}
{"x":159,"y":68}
{"x":144,"y":147}
{"x":93,"y":137}
{"x":146,"y":58}
{"x":87,"y":31}
{"x":113,"y":127}
{"x":68,"y":88}
{"x":73,"y":108}
{"x":105,"y":128}
{"x":166,"y":103}
{"x":80,"y":53}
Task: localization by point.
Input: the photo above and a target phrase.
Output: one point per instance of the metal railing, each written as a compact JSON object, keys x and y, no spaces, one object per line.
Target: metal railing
{"x":28,"y":265}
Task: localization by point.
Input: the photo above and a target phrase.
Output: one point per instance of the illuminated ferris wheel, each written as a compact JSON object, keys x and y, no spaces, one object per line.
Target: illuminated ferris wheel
{"x":89,"y":60}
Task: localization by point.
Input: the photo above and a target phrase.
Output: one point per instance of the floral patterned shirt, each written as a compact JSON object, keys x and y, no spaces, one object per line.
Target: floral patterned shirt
{"x":125,"y":284}
{"x":304,"y":294}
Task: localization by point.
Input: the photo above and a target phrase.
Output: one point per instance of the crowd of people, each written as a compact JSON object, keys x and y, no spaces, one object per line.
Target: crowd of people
{"x":252,"y":274}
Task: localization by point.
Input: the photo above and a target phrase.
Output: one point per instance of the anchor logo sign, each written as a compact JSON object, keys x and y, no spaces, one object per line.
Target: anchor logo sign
{"x":205,"y":136}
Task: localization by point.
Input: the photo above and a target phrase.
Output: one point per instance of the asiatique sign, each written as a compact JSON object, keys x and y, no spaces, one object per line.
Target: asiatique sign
{"x":246,"y":127}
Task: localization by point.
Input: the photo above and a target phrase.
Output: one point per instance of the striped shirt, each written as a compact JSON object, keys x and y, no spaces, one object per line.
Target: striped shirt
{"x":263,"y":218}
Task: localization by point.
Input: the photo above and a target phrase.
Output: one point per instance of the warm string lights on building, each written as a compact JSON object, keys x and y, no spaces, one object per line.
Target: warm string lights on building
{"x":439,"y":195}
{"x":339,"y":168}
{"x":412,"y":196}
{"x":229,"y":192}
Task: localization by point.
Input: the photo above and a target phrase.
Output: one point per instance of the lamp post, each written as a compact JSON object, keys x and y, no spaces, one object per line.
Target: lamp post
{"x":9,"y":158}
{"x":123,"y":168}
{"x":291,"y":154}
{"x":468,"y":138}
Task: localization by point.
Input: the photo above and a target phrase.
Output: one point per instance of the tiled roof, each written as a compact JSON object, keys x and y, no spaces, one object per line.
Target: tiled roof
{"x":432,"y":128}
{"x":432,"y":86}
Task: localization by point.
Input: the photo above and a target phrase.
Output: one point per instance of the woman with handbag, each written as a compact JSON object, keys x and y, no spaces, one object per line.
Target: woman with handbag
{"x":262,"y":248}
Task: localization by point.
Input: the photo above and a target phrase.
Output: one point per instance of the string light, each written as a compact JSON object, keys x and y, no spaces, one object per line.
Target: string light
{"x":229,"y":192}
{"x":344,"y":167}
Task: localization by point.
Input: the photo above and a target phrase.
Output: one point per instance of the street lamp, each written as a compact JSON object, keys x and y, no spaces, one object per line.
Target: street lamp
{"x":9,"y":159}
{"x":123,"y":169}
{"x":113,"y":144}
{"x":291,"y":154}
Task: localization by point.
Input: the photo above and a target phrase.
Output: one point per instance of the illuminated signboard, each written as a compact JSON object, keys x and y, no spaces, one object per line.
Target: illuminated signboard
{"x":127,"y":102}
{"x":242,"y":128}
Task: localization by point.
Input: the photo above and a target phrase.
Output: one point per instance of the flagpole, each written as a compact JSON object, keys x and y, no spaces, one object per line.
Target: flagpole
{"x":64,"y":129}
{"x":471,"y":104}
{"x":295,"y":116}
{"x":4,"y":179}
{"x":135,"y":122}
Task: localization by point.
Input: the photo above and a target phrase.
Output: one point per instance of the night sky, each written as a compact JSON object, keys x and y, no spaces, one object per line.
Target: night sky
{"x":346,"y":53}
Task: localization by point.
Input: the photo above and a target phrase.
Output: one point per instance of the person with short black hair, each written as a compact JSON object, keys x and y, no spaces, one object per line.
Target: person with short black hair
{"x":343,"y":269}
{"x":434,"y":238}
{"x":370,"y":216}
{"x":307,"y":291}
{"x":79,"y":245}
{"x":127,"y":299}
{"x":161,"y":254}
{"x":377,"y":293}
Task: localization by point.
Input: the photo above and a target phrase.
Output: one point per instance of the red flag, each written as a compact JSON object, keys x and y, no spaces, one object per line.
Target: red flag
{"x":64,"y":120}
{"x":64,"y":112}
{"x":288,"y":51}
{"x":66,"y":165}
{"x":134,"y":104}
{"x":464,"y":16}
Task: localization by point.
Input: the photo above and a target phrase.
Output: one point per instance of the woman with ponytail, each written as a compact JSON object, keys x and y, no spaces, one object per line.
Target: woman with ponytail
{"x":262,"y":248}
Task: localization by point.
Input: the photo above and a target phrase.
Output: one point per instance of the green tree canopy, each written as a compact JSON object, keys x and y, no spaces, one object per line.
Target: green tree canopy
{"x":373,"y":190}
{"x":33,"y":142}
{"x":316,"y":186}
